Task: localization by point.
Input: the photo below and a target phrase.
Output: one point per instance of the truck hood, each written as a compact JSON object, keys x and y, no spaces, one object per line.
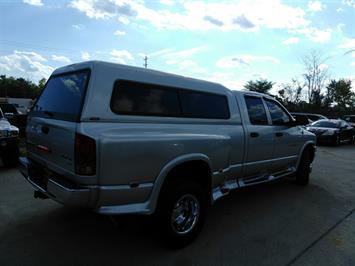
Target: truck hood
{"x":5,"y":125}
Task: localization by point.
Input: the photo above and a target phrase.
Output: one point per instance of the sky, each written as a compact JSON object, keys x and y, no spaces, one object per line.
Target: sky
{"x":228,"y":42}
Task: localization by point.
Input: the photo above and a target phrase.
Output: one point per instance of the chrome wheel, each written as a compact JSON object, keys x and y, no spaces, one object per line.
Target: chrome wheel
{"x":185,"y":214}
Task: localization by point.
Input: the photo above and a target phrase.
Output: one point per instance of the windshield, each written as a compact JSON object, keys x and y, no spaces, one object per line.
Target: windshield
{"x":327,"y":124}
{"x":8,"y":108}
{"x":350,"y":118}
{"x":62,"y":97}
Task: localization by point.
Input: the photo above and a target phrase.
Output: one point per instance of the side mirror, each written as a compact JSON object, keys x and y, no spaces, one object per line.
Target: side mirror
{"x":301,"y":121}
{"x":9,"y":115}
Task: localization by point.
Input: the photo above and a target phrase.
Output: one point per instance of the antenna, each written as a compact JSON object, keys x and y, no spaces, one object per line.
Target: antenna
{"x":145,"y":62}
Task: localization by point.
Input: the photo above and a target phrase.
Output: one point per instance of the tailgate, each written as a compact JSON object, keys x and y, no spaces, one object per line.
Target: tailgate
{"x":51,"y":141}
{"x":53,"y":120}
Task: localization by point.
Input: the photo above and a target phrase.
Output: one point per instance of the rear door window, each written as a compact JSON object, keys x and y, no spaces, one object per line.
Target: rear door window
{"x":63,"y":96}
{"x":256,"y":110}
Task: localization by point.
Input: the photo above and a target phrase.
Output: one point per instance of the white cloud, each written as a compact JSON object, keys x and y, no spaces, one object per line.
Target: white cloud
{"x":347,"y":43}
{"x":119,"y":33}
{"x":121,"y":56}
{"x":339,"y":10}
{"x":103,"y":9}
{"x":352,"y":64}
{"x":31,"y":55}
{"x":315,"y":6}
{"x":25,"y":64}
{"x":291,"y":40}
{"x":123,"y":20}
{"x":349,"y":3}
{"x":323,"y":66}
{"x":33,"y":2}
{"x":85,"y":55}
{"x":78,"y":26}
{"x":60,"y":58}
{"x":244,"y":60}
{"x":167,"y":2}
{"x":244,"y":15}
{"x":340,"y":27}
{"x":230,"y":80}
{"x":161,"y":52}
{"x":182,"y":59}
{"x":315,"y":35}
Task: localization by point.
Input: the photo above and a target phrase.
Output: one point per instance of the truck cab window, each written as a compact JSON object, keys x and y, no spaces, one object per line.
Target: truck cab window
{"x":256,"y":110}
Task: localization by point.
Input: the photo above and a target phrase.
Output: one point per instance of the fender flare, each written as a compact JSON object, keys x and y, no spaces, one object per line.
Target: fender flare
{"x":305,"y":145}
{"x":159,"y":181}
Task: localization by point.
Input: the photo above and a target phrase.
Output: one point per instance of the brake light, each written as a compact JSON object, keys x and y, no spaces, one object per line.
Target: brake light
{"x":85,"y":155}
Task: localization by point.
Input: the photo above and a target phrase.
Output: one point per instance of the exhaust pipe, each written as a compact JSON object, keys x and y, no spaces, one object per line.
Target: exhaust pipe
{"x":39,"y":195}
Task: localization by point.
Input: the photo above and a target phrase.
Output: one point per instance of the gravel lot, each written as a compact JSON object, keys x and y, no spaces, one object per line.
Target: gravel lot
{"x":273,"y":224}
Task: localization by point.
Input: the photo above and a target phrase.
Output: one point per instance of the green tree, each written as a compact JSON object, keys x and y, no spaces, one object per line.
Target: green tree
{"x":339,"y":92}
{"x":42,"y":83}
{"x":262,"y":86}
{"x":18,"y":87}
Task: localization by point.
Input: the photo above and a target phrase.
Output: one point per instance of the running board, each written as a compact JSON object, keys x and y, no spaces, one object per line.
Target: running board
{"x":232,"y":184}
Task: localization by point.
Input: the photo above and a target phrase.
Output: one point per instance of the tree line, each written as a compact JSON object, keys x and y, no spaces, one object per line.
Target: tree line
{"x":19,"y":87}
{"x":314,"y":91}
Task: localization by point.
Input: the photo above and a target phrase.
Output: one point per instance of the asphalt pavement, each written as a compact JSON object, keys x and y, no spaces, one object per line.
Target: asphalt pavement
{"x":273,"y":224}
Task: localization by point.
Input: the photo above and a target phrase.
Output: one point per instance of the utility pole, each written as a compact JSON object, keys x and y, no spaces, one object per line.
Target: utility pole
{"x":145,"y":61}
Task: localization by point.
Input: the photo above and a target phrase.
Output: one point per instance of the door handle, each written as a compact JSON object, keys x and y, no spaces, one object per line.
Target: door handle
{"x":279,"y":134}
{"x":45,"y":129}
{"x":254,"y":134}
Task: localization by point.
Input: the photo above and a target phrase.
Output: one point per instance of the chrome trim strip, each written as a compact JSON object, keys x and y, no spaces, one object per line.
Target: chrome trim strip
{"x":271,"y":160}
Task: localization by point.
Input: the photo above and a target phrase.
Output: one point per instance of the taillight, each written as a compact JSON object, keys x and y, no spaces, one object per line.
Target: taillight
{"x":85,"y":155}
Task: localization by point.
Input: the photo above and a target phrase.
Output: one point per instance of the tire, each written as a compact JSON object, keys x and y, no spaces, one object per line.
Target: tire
{"x":336,"y":140}
{"x":304,"y":169}
{"x":10,"y":158}
{"x":181,"y":212}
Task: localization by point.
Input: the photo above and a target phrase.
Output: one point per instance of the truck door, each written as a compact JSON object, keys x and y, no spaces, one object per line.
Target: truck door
{"x":259,"y":138}
{"x":287,"y":139}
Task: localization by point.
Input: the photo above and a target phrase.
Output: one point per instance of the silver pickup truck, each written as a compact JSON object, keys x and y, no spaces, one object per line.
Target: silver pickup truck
{"x":127,"y":140}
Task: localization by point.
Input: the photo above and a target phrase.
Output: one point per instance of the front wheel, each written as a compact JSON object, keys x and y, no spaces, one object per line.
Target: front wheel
{"x":336,"y":140}
{"x":181,"y":212}
{"x":304,"y":169}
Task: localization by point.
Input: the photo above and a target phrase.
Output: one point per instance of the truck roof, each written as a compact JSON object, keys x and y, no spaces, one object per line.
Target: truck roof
{"x":163,"y":77}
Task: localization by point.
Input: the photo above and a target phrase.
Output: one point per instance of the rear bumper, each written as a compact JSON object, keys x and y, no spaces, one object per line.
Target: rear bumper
{"x":55,"y":190}
{"x":121,"y":199}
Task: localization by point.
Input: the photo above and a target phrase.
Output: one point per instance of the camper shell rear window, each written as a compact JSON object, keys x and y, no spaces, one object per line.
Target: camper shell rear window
{"x":62,"y":97}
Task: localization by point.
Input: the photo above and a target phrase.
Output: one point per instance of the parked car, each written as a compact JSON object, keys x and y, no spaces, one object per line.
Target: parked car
{"x":332,"y":131}
{"x":301,"y":117}
{"x":123,"y":140}
{"x":9,"y":151}
{"x":350,"y":119}
{"x":15,"y":117}
{"x":311,"y":117}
